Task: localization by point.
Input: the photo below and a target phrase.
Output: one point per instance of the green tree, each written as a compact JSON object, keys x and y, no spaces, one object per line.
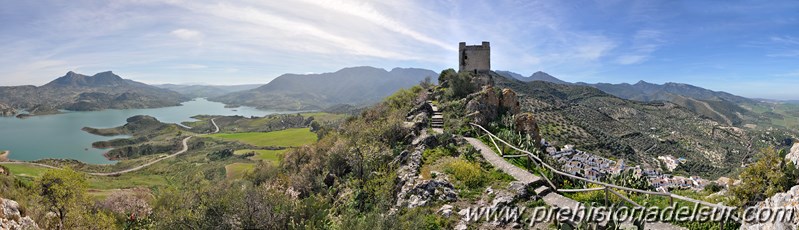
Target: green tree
{"x":63,"y":192}
{"x":771,"y":174}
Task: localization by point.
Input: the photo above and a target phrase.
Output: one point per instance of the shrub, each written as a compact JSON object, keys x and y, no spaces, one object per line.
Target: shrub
{"x":769,"y":175}
{"x":468,"y":173}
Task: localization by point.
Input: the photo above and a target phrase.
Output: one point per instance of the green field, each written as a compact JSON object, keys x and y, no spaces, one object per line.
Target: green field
{"x":285,"y":138}
{"x":237,"y":170}
{"x":323,"y":117}
{"x":267,"y":155}
{"x":129,"y":180}
{"x":25,"y":170}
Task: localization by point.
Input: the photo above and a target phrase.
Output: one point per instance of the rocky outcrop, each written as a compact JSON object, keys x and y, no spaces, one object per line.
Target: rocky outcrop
{"x":793,"y":156}
{"x":788,"y":200}
{"x":7,"y":111}
{"x":484,"y":105}
{"x":428,"y":191}
{"x":526,"y":124}
{"x":510,"y":101}
{"x":488,"y":104}
{"x":11,"y":217}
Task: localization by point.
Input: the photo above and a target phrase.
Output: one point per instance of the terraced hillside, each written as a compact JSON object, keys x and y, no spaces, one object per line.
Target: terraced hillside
{"x":638,"y":131}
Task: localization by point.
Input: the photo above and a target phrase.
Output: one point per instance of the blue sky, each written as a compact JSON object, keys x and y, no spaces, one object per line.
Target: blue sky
{"x":750,"y":48}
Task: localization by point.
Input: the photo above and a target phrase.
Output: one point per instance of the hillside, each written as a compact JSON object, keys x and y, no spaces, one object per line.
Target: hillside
{"x":355,"y":86}
{"x":723,"y":107}
{"x":640,"y":131}
{"x":79,"y":92}
{"x":206,"y":91}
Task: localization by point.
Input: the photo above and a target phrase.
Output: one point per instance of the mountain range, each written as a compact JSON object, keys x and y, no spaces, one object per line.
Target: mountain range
{"x":79,"y":92}
{"x":206,"y":91}
{"x":355,"y":86}
{"x":719,"y":106}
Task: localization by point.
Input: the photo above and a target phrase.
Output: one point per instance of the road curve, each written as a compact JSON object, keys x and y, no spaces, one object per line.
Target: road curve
{"x":185,"y":148}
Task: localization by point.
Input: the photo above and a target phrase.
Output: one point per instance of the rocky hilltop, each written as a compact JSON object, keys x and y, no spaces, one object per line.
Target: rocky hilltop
{"x":355,"y":86}
{"x":80,"y":92}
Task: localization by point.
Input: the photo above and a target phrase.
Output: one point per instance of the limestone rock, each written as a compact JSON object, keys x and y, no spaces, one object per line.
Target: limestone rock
{"x":12,"y":218}
{"x":526,"y":124}
{"x":423,"y":107}
{"x":793,"y":156}
{"x":519,"y":189}
{"x":789,"y":199}
{"x":484,"y":106}
{"x":446,"y":210}
{"x":408,"y":173}
{"x":428,"y":191}
{"x":510,"y":102}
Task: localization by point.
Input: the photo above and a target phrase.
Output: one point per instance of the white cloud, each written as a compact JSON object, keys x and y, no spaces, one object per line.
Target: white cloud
{"x":190,"y":66}
{"x":186,"y":34}
{"x":631,"y":59}
{"x":369,"y":13}
{"x":643,"y":43}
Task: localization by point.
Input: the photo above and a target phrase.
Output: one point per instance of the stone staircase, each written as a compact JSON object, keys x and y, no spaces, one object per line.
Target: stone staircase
{"x":437,"y":120}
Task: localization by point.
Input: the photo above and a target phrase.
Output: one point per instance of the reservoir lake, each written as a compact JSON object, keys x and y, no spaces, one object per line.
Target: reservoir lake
{"x":60,"y":135}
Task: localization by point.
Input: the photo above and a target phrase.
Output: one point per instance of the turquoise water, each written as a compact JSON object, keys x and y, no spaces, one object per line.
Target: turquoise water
{"x":59,"y":136}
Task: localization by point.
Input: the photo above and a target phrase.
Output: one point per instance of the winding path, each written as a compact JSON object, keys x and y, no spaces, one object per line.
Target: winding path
{"x":497,"y":161}
{"x":185,"y":148}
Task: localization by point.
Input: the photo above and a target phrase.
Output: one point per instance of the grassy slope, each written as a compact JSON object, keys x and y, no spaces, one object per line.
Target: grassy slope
{"x":262,"y":154}
{"x":325,"y":117}
{"x":237,"y":170}
{"x":286,"y":138}
{"x":25,"y":170}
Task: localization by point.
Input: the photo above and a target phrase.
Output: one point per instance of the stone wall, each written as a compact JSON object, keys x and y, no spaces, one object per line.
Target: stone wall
{"x":477,"y":57}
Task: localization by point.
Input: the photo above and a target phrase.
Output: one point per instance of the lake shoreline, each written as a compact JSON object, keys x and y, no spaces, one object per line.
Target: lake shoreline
{"x":65,"y":139}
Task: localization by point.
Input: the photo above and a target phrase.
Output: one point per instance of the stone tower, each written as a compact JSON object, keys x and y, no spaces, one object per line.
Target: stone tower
{"x":474,"y":58}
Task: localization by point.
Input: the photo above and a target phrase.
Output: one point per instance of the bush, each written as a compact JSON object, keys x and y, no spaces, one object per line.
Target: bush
{"x":771,"y":174}
{"x":468,"y":173}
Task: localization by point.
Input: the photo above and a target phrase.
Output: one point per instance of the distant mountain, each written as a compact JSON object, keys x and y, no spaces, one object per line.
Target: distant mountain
{"x":723,"y":107}
{"x":80,"y":92}
{"x":207,"y":91}
{"x":537,"y":76}
{"x":354,"y":86}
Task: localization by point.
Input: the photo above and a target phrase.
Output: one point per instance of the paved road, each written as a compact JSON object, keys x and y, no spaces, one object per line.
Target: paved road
{"x":185,"y":148}
{"x":497,"y":161}
{"x":137,"y":168}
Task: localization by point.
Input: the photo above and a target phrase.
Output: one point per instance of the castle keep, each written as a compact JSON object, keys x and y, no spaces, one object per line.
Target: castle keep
{"x":474,"y":58}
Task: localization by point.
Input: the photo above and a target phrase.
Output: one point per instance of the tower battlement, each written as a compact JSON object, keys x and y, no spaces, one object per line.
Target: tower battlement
{"x":474,"y":57}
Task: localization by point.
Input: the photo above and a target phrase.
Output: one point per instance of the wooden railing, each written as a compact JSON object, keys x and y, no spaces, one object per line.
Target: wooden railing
{"x":607,"y":187}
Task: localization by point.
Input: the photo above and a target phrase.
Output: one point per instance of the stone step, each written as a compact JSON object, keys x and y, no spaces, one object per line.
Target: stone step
{"x":438,"y":117}
{"x":542,"y":190}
